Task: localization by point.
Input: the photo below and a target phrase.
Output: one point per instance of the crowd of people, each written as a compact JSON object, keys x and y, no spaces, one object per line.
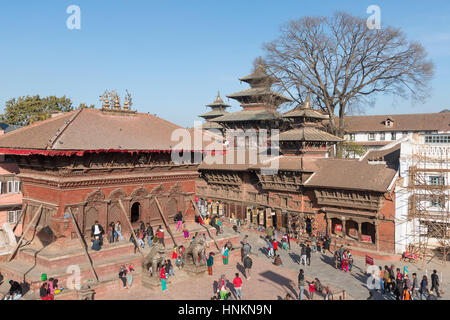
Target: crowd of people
{"x":393,"y":281}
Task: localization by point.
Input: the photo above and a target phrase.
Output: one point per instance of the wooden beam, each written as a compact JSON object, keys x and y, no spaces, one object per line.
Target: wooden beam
{"x":22,"y":214}
{"x":130,"y":226}
{"x":165,"y":221}
{"x":83,"y":244}
{"x":33,"y":220}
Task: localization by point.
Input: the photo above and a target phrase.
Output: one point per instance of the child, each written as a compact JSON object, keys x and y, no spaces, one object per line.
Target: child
{"x":312,"y":289}
{"x":174,"y":253}
{"x":185,"y":231}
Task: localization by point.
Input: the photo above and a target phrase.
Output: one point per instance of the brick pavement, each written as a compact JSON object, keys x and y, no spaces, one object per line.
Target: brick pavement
{"x":322,"y":267}
{"x":267,"y":282}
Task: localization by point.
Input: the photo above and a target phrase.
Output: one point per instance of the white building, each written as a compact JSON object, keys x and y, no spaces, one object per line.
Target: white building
{"x":422,"y":191}
{"x":381,"y":130}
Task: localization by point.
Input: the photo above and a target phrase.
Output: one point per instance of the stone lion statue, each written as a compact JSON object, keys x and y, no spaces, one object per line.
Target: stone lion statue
{"x":154,"y":259}
{"x":196,"y":250}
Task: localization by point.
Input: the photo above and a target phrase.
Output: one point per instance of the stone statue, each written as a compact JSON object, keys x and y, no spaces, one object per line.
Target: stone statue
{"x":196,"y":249}
{"x":154,"y":259}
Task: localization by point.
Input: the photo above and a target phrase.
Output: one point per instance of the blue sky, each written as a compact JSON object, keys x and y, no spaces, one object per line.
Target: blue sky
{"x":173,"y":56}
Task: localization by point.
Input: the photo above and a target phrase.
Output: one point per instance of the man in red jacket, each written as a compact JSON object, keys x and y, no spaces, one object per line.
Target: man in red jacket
{"x":237,"y":283}
{"x":275,"y":246}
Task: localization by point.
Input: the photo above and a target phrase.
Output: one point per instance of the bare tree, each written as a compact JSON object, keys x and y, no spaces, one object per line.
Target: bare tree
{"x":342,"y":63}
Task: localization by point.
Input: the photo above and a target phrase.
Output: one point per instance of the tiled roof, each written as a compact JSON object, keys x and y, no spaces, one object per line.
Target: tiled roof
{"x":351,"y":175}
{"x":260,"y":91}
{"x":249,"y":115}
{"x":307,"y":134}
{"x":92,"y":129}
{"x":289,"y":163}
{"x":401,"y":122}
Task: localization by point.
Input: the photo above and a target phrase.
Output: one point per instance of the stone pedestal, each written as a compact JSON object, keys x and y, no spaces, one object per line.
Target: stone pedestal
{"x":86,"y":293}
{"x":152,"y":282}
{"x":194,"y":270}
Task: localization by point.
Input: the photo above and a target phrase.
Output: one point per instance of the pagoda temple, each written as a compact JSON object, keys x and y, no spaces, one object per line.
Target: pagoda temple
{"x":259,"y":104}
{"x":218,"y":109}
{"x":310,"y":192}
{"x":89,"y":165}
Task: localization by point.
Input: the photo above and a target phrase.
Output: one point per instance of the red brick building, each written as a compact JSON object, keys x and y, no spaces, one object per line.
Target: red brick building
{"x":91,"y":163}
{"x":309,"y":193}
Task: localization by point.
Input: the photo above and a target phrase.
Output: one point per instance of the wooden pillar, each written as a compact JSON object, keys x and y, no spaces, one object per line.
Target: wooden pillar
{"x":377,"y":242}
{"x":344,"y":228}
{"x":359,"y":231}
{"x":329,"y":224}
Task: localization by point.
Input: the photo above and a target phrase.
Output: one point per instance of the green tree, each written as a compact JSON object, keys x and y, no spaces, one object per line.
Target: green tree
{"x":24,"y":110}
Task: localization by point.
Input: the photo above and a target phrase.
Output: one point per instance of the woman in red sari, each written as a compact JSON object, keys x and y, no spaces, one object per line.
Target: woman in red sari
{"x":345,"y":261}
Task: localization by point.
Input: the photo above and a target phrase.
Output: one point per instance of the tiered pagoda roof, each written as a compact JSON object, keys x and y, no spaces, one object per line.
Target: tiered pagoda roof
{"x":218,"y":109}
{"x":259,"y":102}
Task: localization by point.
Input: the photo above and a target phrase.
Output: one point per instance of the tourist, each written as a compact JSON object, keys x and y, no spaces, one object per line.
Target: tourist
{"x":141,"y":237}
{"x":381,"y":279}
{"x":97,"y":230}
{"x":43,"y":292}
{"x":163,"y":278}
{"x":123,"y":276}
{"x":313,"y":244}
{"x":219,"y":223}
{"x":133,"y":240}
{"x":224,"y":293}
{"x":406,"y":294}
{"x":179,"y":262}
{"x":275,"y":246}
{"x":210,"y":263}
{"x":303,"y":255}
{"x":213,"y":223}
{"x":414,"y":286}
{"x":270,"y":253}
{"x":318,"y":286}
{"x":160,"y":235}
{"x":350,"y":260}
{"x":424,"y":288}
{"x":237,"y":283}
{"x":398,"y":291}
{"x":185,"y":231}
{"x":15,"y":291}
{"x":312,"y":289}
{"x":344,"y":261}
{"x":150,"y":235}
{"x":179,"y":220}
{"x":225,"y":254}
{"x":407,"y":286}
{"x":247,"y":266}
{"x":341,"y":252}
{"x":130,"y":271}
{"x":118,"y":229}
{"x":269,"y":232}
{"x":308,"y":254}
{"x":326,"y":244}
{"x":112,"y":233}
{"x":435,"y":283}
{"x":175,"y":252}
{"x":301,"y":284}
{"x":55,"y":287}
{"x":336,"y":259}
{"x":169,"y":268}
{"x":277,"y":261}
{"x":96,"y":243}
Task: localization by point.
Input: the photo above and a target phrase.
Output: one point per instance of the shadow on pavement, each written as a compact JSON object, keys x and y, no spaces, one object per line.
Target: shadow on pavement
{"x":280,"y":280}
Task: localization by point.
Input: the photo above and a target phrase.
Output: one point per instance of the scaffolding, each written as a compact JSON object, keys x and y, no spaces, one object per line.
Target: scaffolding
{"x":428,"y":210}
